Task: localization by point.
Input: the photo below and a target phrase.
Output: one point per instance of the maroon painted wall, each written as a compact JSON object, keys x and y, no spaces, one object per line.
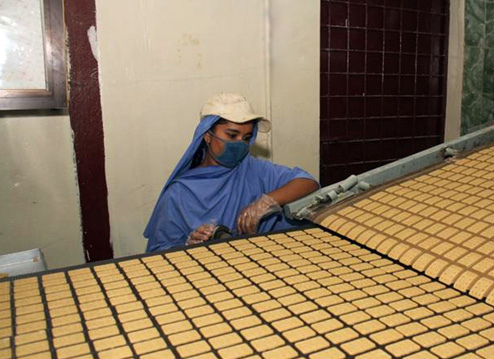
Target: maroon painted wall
{"x":86,"y":120}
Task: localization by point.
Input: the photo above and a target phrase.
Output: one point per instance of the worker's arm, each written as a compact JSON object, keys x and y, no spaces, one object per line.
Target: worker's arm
{"x":293,"y":190}
{"x":249,"y":218}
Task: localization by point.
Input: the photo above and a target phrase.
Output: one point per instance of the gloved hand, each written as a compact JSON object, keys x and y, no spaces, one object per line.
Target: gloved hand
{"x":250,"y":216}
{"x":202,"y":234}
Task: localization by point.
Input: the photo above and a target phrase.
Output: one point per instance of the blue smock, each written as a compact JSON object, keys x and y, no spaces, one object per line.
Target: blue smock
{"x":214,"y":194}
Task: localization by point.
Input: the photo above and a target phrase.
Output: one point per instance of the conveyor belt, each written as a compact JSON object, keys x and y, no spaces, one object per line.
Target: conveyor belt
{"x":300,"y":294}
{"x":440,"y":222}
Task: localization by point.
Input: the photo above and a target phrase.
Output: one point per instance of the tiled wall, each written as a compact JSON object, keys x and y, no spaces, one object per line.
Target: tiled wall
{"x":383,"y":70}
{"x":478,"y":83}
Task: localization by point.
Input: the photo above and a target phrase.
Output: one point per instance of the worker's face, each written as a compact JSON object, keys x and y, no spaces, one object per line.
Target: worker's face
{"x":229,"y":131}
{"x":223,"y":133}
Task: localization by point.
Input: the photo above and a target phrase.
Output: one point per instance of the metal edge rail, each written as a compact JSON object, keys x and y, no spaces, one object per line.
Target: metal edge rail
{"x":353,"y":185}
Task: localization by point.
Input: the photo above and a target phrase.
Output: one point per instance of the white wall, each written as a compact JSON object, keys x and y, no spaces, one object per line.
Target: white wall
{"x":455,"y":70}
{"x":294,"y":59}
{"x":161,"y":59}
{"x":39,"y":204}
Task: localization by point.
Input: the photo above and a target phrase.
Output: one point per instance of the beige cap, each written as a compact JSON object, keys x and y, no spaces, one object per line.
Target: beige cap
{"x":235,"y":108}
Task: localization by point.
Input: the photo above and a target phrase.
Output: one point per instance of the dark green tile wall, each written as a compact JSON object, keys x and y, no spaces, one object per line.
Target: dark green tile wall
{"x":478,"y":78}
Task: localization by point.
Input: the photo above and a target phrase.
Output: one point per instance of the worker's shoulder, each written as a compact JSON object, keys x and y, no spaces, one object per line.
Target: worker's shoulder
{"x":266,"y":164}
{"x":174,"y":187}
{"x":260,"y":163}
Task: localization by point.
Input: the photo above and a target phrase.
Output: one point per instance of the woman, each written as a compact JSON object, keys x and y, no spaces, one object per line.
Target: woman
{"x":218,"y":182}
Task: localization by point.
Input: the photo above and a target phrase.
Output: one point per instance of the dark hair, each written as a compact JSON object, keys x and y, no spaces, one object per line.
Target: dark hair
{"x":198,"y":155}
{"x":221,"y":121}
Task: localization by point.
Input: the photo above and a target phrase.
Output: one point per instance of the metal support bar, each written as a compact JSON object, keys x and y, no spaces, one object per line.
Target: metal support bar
{"x":353,"y":185}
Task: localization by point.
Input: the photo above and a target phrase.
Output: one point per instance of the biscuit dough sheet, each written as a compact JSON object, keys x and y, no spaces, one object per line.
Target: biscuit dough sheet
{"x":440,"y":223}
{"x":299,"y":294}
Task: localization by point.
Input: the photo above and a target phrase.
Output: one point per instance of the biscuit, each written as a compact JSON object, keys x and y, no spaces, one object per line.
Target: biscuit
{"x":137,"y":325}
{"x":386,"y":336}
{"x":448,"y":350}
{"x":176,"y":327}
{"x":157,"y":300}
{"x":131,"y":316}
{"x":341,"y":335}
{"x":369,"y":327}
{"x":472,"y":342}
{"x":402,"y":348}
{"x":287,"y":324}
{"x":109,"y":343}
{"x":117,"y":353}
{"x":68,"y":340}
{"x":189,"y":294}
{"x":100,"y":323}
{"x":149,"y":346}
{"x":162,"y":309}
{"x":355,"y":317}
{"x":123,"y":299}
{"x":128,"y":307}
{"x":28,"y":309}
{"x":436,"y":321}
{"x":90,"y":297}
{"x":274,"y":315}
{"x":143,"y":335}
{"x":358,"y":346}
{"x":264,"y":306}
{"x":104,"y":332}
{"x":73,"y":351}
{"x":267,"y":343}
{"x":333,"y":353}
{"x":246,"y":322}
{"x":115,"y":285}
{"x":298,"y":334}
{"x":24,"y":319}
{"x":199,"y":311}
{"x":97,"y":313}
{"x":228,"y":304}
{"x":27,"y":338}
{"x":215,"y":330}
{"x":225,"y":340}
{"x":32,"y":348}
{"x":191,"y":349}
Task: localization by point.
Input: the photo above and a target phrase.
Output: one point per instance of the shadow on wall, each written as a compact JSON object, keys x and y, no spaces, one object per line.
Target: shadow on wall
{"x":260,"y":151}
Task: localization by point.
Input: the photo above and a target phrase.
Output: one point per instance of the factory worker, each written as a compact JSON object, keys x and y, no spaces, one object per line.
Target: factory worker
{"x":217,"y":181}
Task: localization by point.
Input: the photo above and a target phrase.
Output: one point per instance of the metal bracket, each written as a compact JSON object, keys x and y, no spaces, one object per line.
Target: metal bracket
{"x":329,"y":195}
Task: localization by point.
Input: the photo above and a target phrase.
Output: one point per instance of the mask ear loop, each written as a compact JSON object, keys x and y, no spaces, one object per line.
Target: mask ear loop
{"x":219,"y":139}
{"x":210,"y":151}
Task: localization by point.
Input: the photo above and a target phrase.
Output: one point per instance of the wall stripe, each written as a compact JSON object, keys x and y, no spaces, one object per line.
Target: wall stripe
{"x":87,"y":124}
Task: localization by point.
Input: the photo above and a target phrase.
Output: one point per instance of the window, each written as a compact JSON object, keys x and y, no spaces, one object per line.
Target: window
{"x":32,"y":56}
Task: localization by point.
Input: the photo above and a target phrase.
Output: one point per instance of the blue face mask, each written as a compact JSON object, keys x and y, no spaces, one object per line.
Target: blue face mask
{"x":233,"y":152}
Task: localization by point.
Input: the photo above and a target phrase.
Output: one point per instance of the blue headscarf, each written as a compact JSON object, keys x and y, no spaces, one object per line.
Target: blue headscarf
{"x":192,"y":197}
{"x":184,"y":164}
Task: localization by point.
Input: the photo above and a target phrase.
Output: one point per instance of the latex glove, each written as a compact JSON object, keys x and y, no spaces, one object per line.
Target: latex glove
{"x":202,"y":234}
{"x":250,"y":216}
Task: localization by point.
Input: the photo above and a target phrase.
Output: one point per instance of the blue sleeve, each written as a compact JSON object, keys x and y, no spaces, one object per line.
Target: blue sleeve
{"x":275,"y":176}
{"x":171,"y":229}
